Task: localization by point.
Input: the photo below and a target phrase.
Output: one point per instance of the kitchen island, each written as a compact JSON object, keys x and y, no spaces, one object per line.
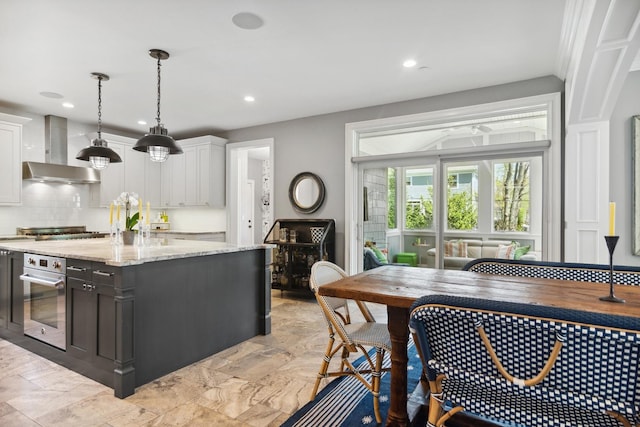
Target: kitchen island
{"x":134,"y":314}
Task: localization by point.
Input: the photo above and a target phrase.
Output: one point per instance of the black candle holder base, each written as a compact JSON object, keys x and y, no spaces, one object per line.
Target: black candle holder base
{"x":611,"y":298}
{"x":611,"y":246}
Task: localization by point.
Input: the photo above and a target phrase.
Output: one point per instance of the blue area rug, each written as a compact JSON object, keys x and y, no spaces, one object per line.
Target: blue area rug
{"x":346,"y":402}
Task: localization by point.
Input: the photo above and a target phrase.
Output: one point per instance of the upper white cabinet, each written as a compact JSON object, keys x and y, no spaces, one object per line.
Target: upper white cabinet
{"x":194,"y":178}
{"x":11,"y":159}
{"x":136,"y":173}
{"x":197,"y":177}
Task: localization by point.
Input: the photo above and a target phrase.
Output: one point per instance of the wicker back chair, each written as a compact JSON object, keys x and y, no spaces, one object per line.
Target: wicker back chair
{"x":351,"y":337}
{"x":577,"y":272}
{"x":527,"y":364}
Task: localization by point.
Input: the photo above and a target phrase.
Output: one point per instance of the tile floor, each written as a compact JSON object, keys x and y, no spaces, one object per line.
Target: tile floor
{"x":260,"y":382}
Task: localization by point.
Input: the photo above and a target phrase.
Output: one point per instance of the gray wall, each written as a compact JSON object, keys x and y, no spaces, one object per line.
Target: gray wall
{"x":316,"y":144}
{"x":621,"y":170}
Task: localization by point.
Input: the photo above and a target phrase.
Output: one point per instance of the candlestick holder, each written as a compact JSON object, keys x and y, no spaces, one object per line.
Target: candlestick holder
{"x":612,"y":241}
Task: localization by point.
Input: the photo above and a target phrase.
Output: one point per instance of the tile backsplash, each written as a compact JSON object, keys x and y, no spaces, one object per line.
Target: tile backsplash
{"x":57,"y":204}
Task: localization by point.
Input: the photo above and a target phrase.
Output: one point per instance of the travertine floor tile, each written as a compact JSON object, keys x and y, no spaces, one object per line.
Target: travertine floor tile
{"x":258,"y":383}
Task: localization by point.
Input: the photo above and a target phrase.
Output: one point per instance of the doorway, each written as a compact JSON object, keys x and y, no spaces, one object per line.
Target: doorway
{"x":249,"y":161}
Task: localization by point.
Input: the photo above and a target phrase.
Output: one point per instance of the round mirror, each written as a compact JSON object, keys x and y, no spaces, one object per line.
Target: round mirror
{"x":306,"y":192}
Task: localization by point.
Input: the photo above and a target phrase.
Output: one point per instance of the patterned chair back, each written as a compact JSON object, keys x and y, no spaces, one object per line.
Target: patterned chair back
{"x":595,"y":368}
{"x":578,"y":272}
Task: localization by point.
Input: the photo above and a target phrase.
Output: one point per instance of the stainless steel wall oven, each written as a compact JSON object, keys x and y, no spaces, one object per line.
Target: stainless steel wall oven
{"x":44,"y":279}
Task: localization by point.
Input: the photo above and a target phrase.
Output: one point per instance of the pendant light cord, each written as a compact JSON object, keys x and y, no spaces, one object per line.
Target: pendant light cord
{"x":100,"y":108}
{"x":158,"y":118}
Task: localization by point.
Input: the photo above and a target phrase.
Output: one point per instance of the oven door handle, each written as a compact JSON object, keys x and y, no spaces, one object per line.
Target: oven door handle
{"x":44,"y":282}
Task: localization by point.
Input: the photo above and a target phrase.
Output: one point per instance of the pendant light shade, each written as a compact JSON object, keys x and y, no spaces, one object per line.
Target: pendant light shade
{"x":98,"y":153}
{"x":157,"y":142}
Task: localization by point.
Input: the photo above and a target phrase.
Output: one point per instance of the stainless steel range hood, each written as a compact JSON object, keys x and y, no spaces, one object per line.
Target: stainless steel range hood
{"x":55,"y":168}
{"x":50,"y":172}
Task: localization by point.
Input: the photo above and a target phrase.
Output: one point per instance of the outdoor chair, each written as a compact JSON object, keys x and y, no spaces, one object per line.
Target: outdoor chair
{"x":527,"y":365}
{"x":577,"y":272}
{"x":346,"y":337}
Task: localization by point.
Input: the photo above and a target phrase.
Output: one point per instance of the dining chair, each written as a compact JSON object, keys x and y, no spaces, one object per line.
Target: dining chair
{"x":577,"y":272}
{"x":348,"y":338}
{"x":526,"y":364}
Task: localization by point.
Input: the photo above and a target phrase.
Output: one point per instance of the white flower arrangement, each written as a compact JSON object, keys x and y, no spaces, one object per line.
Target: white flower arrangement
{"x":128,"y":200}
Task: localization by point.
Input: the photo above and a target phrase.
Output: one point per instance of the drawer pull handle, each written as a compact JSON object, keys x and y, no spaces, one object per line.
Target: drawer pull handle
{"x":72,"y":268}
{"x":103,"y":273}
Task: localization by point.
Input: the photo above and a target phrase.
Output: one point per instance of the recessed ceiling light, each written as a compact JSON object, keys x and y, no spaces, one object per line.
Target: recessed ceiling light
{"x":51,"y":95}
{"x":409,"y":63}
{"x":249,"y":98}
{"x":67,"y":105}
{"x":247,"y":21}
{"x":142,"y":122}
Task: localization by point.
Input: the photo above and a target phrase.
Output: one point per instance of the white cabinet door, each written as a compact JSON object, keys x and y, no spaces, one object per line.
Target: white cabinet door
{"x":217,"y":175}
{"x":174,"y":181}
{"x":10,"y":163}
{"x":153,"y":182}
{"x":112,"y":181}
{"x":192,"y":176}
{"x":134,"y":171}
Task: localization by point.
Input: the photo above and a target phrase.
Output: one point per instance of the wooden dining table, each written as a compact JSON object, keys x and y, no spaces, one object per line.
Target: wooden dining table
{"x":398,"y":287}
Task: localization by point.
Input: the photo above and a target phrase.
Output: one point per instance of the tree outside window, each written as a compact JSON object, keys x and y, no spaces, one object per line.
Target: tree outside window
{"x":462,"y":205}
{"x":391,"y":199}
{"x":512,"y":196}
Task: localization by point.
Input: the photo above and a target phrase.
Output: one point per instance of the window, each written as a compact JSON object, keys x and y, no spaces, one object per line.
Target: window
{"x":391,"y":199}
{"x":462,"y":197}
{"x":511,"y":207}
{"x":418,"y":198}
{"x":472,"y":203}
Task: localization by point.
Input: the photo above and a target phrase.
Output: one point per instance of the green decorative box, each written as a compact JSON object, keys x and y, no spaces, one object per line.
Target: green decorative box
{"x":407,"y":258}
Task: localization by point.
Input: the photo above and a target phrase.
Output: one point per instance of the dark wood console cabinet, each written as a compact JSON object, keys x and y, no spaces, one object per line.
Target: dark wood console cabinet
{"x":292,"y":258}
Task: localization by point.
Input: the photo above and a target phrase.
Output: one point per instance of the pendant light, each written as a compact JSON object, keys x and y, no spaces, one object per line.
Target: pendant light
{"x":98,"y":153}
{"x":157,"y":142}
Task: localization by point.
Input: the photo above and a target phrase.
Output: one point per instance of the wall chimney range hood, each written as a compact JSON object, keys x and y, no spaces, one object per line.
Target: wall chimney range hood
{"x":55,"y":168}
{"x":50,"y":172}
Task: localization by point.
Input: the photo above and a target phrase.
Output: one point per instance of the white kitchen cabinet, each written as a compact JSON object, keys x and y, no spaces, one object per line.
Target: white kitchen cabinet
{"x":11,"y":159}
{"x":112,"y":178}
{"x":137,"y":173}
{"x":197,"y":177}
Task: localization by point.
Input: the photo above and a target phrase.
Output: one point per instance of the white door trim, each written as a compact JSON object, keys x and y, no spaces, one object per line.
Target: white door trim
{"x":235,"y":178}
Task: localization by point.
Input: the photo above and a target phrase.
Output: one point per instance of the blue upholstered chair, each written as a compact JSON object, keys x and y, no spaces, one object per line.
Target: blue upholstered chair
{"x":372,"y":261}
{"x":578,"y":272}
{"x":528,"y":365}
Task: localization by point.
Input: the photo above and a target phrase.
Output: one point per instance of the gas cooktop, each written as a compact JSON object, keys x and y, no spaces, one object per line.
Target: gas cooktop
{"x":59,"y":233}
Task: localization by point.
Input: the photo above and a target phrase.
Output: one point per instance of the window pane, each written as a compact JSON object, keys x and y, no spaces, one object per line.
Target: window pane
{"x":391,"y":199}
{"x":378,"y":198}
{"x":511,"y":210}
{"x":509,"y":127}
{"x":419,"y":198}
{"x":462,"y":197}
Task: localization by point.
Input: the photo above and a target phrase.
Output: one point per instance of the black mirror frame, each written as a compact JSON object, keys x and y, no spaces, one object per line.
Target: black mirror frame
{"x":292,"y":191}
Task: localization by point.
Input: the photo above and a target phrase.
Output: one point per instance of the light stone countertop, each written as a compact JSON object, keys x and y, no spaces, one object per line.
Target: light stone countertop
{"x":101,"y":250}
{"x":15,"y":237}
{"x":186,"y":232}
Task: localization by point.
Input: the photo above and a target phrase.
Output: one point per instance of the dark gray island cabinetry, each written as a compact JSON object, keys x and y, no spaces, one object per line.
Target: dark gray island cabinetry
{"x":136,"y":314}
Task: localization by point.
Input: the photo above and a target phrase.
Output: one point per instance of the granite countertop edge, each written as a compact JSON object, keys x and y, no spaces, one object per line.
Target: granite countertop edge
{"x":101,"y":250}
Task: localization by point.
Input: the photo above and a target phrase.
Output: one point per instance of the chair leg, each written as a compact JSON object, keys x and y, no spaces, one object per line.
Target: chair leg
{"x":375,"y":384}
{"x":324,"y":366}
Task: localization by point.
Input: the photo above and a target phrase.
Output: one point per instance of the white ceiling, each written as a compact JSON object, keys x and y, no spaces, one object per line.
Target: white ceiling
{"x":309,"y":57}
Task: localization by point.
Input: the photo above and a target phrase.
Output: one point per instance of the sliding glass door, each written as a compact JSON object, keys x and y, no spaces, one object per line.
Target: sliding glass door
{"x":478,"y":206}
